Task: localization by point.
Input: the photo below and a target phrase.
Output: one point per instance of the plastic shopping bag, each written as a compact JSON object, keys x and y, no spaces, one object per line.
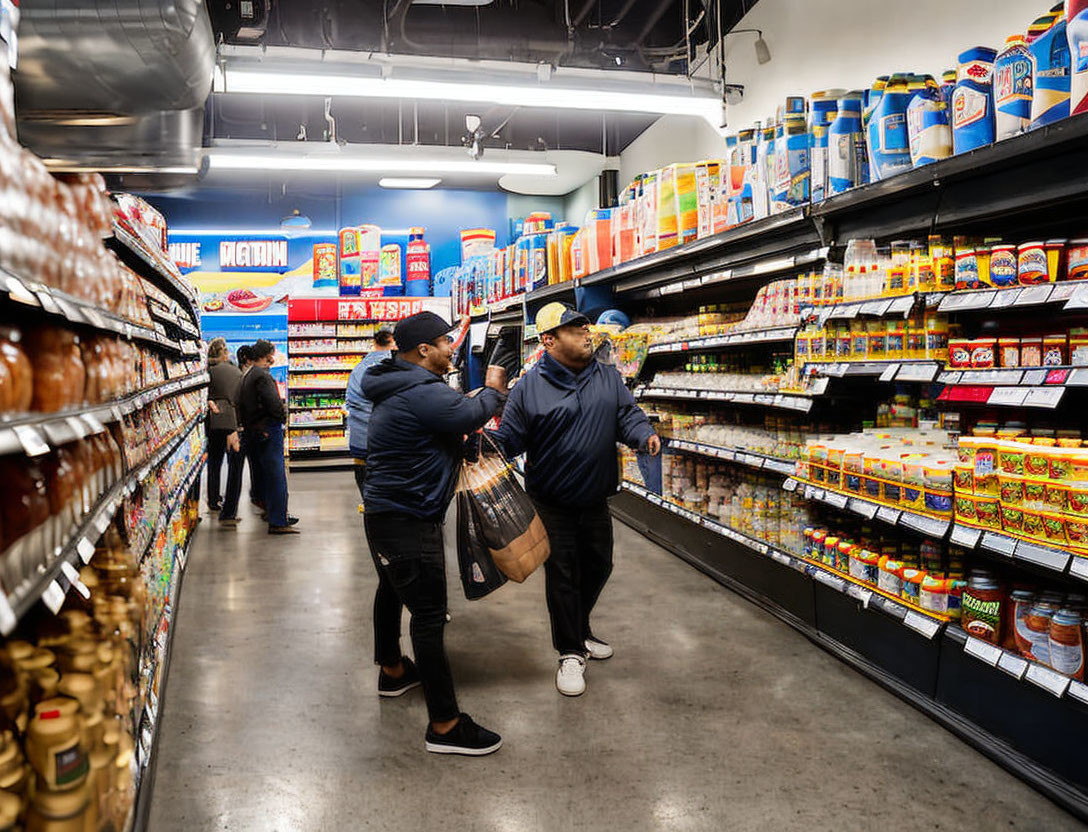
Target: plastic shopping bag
{"x":505,"y":517}
{"x":479,"y":576}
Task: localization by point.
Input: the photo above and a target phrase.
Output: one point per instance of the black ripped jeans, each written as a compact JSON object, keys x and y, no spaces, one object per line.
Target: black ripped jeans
{"x":576,"y":570}
{"x":411,"y":563}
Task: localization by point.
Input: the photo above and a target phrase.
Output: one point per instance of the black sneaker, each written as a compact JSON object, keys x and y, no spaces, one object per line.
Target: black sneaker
{"x":291,"y":520}
{"x":466,"y":738}
{"x":388,"y":686}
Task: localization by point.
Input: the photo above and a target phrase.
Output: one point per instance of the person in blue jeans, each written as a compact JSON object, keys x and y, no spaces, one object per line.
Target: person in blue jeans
{"x":360,"y":407}
{"x":263,"y":415}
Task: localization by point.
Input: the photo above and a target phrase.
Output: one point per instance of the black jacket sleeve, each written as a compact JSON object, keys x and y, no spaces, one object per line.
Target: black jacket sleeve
{"x":444,"y":410}
{"x":513,"y":434}
{"x":270,"y":402}
{"x":633,"y":427}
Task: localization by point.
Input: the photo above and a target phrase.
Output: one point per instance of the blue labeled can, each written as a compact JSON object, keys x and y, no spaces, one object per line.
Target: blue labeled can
{"x":928,"y":125}
{"x":847,"y":159}
{"x":889,"y":139}
{"x":1012,"y":88}
{"x":973,"y":100}
{"x":1051,"y":78}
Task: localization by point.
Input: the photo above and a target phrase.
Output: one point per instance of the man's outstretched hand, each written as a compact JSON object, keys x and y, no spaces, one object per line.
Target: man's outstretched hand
{"x":653,"y":445}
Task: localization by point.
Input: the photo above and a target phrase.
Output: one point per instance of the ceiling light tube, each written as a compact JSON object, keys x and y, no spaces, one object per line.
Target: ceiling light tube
{"x":343,"y":163}
{"x":408,"y":183}
{"x":285,"y":82}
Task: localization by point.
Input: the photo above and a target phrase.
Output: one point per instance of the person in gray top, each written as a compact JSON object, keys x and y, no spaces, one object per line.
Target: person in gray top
{"x":223,"y":389}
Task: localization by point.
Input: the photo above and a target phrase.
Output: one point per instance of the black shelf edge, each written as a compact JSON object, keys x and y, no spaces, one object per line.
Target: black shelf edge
{"x":133,"y":254}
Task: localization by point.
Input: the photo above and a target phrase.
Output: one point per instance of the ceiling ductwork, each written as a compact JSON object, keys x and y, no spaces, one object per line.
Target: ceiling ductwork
{"x":115,"y":86}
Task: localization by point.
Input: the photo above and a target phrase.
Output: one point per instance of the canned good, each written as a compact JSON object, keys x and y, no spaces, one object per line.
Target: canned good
{"x":1032,"y":266}
{"x":1008,"y":350}
{"x":1004,"y":265}
{"x":1031,"y":352}
{"x":1055,"y":350}
{"x":982,"y":353}
{"x":967,"y":276}
{"x":1077,"y":261}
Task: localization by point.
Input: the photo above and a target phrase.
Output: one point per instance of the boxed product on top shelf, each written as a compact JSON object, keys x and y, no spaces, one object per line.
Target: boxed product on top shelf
{"x":908,"y":468}
{"x":1030,"y":484}
{"x":354,"y":330}
{"x":319,"y":380}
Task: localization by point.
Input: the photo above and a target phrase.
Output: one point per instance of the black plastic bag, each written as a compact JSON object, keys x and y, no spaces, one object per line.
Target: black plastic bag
{"x":479,"y":575}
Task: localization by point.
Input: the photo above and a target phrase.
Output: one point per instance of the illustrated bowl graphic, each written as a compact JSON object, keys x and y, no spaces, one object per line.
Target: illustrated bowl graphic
{"x":246,"y":301}
{"x":213,"y":305}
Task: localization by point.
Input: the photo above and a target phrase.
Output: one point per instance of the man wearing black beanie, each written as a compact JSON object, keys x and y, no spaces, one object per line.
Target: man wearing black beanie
{"x":414,"y":452}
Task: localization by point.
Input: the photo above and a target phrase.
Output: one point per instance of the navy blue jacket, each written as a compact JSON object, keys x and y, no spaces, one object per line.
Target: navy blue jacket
{"x":568,"y":425}
{"x":416,"y":437}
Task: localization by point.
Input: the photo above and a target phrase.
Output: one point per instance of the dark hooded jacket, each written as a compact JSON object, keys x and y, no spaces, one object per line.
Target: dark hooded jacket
{"x":416,"y":437}
{"x":568,"y":424}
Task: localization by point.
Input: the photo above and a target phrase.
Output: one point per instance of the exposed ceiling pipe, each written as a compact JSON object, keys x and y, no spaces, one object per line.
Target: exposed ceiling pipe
{"x":584,"y":13}
{"x":622,"y":13}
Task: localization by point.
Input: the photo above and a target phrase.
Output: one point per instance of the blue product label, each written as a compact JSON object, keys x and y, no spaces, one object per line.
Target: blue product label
{"x":1012,"y":85}
{"x":893,"y":134}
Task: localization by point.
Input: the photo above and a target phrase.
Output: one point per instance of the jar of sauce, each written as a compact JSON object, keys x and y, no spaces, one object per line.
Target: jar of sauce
{"x":1066,"y":643}
{"x":983,"y":607}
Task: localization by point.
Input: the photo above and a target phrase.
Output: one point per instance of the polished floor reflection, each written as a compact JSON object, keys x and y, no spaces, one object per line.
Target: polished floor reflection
{"x":713,"y":715}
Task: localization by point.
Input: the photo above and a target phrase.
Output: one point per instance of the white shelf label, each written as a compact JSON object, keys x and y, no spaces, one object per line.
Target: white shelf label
{"x":85,"y":550}
{"x":1033,"y":378}
{"x":1009,"y":396}
{"x":1031,"y":295}
{"x":998,"y":543}
{"x":950,"y":377}
{"x":863,"y":595}
{"x":832,"y":581}
{"x":1049,"y":680}
{"x":781,"y":557}
{"x":7,"y":616}
{"x":53,"y":597}
{"x":865,"y":509}
{"x":1004,"y":298}
{"x":932,"y":526}
{"x":1079,"y":568}
{"x":983,"y":650}
{"x":1042,"y":556}
{"x":928,"y":627}
{"x":918,"y":372}
{"x":1013,"y":665}
{"x":1048,"y":397}
{"x":73,"y":578}
{"x":901,"y":305}
{"x":1063,"y":291}
{"x":790,"y":484}
{"x":1078,"y":690}
{"x":965,"y":536}
{"x":836,"y":500}
{"x":888,"y":515}
{"x":975,"y":300}
{"x":32,"y":442}
{"x":1079,"y":298}
{"x":889,"y":372}
{"x":819,"y":386}
{"x":78,"y":428}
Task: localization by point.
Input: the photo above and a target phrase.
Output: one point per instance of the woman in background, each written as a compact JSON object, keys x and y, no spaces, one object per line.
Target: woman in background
{"x":226,"y":380}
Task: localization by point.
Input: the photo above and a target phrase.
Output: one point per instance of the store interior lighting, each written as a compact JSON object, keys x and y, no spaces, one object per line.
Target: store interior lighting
{"x":408,"y":183}
{"x":340,"y":162}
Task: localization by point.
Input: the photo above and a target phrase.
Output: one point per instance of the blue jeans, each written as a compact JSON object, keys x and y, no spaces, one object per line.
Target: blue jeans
{"x":270,"y":473}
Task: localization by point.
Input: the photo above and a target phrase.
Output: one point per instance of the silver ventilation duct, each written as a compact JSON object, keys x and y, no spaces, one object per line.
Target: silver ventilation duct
{"x":114,"y":85}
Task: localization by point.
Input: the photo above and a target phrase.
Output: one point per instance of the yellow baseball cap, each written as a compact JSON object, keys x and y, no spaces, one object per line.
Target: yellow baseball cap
{"x":555,"y":314}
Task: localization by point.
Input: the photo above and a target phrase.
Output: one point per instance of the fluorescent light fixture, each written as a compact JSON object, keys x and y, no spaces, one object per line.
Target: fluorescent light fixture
{"x":408,"y":183}
{"x":286,"y":82}
{"x":264,"y":160}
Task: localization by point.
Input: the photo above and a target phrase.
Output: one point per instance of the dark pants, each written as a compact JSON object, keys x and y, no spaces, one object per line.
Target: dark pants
{"x":217,"y":448}
{"x":411,"y":563}
{"x":360,"y":478}
{"x":249,"y":451}
{"x":576,"y":571}
{"x":271,"y":474}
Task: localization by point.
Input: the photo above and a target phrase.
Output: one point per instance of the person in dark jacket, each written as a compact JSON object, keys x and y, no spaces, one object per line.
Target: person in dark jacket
{"x":414,"y":452}
{"x":223,"y":440}
{"x":263,"y":416}
{"x":360,"y":407}
{"x":249,"y":449}
{"x":566,"y":414}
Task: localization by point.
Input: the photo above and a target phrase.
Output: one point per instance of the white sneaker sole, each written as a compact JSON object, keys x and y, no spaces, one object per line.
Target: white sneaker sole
{"x":441,"y":748}
{"x":389,"y":694}
{"x":600,"y":657}
{"x":571,"y":692}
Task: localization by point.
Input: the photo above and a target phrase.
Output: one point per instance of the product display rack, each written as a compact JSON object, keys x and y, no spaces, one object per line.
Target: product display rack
{"x":1023,"y":714}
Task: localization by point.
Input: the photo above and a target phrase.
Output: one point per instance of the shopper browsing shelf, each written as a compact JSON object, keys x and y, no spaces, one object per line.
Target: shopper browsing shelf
{"x":414,"y":450}
{"x":245,"y":363}
{"x":223,"y":439}
{"x":567,"y":414}
{"x":360,"y":407}
{"x":263,"y":416}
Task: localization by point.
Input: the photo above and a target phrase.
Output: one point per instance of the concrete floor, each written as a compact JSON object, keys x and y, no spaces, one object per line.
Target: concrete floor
{"x":713,"y":714}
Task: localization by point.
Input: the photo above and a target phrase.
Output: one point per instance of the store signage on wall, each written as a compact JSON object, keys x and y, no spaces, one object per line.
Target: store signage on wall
{"x":378,"y":310}
{"x":186,"y":255}
{"x":252,"y":254}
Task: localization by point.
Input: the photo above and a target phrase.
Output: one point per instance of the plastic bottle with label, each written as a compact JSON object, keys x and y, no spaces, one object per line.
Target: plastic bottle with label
{"x":889,"y":140}
{"x":1076,"y":29}
{"x":1051,"y":76}
{"x":418,"y":258}
{"x":928,"y":125}
{"x":973,"y":100}
{"x":948,"y":83}
{"x":872,"y":100}
{"x":847,"y":158}
{"x":1012,"y":88}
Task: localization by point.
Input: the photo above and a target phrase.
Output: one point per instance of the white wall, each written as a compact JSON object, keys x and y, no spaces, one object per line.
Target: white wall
{"x":581,"y":201}
{"x":822,"y":44}
{"x":670,"y":139}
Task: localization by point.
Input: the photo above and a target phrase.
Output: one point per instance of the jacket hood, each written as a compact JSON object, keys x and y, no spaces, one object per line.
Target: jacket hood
{"x":394,"y":375}
{"x":564,"y":377}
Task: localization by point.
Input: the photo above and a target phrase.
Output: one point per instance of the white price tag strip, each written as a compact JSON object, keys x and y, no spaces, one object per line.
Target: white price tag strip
{"x":950,"y":377}
{"x":76,"y":426}
{"x":865,"y":509}
{"x":1079,"y":568}
{"x":1005,"y":298}
{"x":819,"y":386}
{"x":1079,"y":691}
{"x":965,"y":536}
{"x":1033,"y":378}
{"x":901,"y":305}
{"x":926,"y":525}
{"x":1032,"y":295}
{"x":1049,"y":680}
{"x":998,"y":543}
{"x":1042,"y":556}
{"x":888,"y":515}
{"x":32,"y":442}
{"x":790,"y":484}
{"x":1013,"y":665}
{"x":73,"y":578}
{"x":889,"y":372}
{"x":835,"y":583}
{"x":983,"y":650}
{"x":918,"y":372}
{"x":53,"y":597}
{"x":782,"y":558}
{"x":1008,"y":396}
{"x":928,"y":627}
{"x":7,"y":616}
{"x":836,"y":500}
{"x":1048,"y":397}
{"x":85,"y":549}
{"x":863,"y":595}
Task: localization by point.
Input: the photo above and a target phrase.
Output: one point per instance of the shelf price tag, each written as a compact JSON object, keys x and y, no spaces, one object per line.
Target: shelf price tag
{"x":889,"y":372}
{"x":790,"y":484}
{"x":888,"y":515}
{"x":53,"y":597}
{"x":1005,"y":298}
{"x":864,"y":508}
{"x":830,"y":580}
{"x":7,"y":616}
{"x":85,"y":550}
{"x":918,"y":372}
{"x":781,"y":557}
{"x":1033,"y":378}
{"x":863,"y":595}
{"x":1079,"y":298}
{"x":1042,"y":556}
{"x":836,"y":500}
{"x":901,"y":306}
{"x":932,"y":526}
{"x":950,"y":377}
{"x":965,"y":536}
{"x":1032,"y":295}
{"x":1079,"y":691}
{"x":998,"y":543}
{"x":1063,"y":291}
{"x":925,"y":625}
{"x":1049,"y":680}
{"x":73,"y":578}
{"x":1048,"y":397}
{"x":983,"y":650}
{"x":1013,"y":665}
{"x":975,"y":300}
{"x":18,"y":292}
{"x":1009,"y":396}
{"x":31,"y":440}
{"x":1079,"y":568}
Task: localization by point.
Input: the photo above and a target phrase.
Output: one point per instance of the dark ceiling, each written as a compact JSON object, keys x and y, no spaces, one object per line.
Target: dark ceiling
{"x":610,"y":34}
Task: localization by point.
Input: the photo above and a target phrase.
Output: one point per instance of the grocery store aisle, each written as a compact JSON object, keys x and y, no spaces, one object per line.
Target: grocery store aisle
{"x":712,"y":715}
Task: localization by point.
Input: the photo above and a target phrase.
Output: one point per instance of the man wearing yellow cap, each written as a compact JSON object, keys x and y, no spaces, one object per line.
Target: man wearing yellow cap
{"x":566,"y":414}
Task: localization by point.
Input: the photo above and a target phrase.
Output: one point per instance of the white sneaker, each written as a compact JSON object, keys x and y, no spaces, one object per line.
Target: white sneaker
{"x":571,"y":678}
{"x":598,"y":649}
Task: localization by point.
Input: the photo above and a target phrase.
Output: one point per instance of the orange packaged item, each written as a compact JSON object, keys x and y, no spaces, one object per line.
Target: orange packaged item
{"x":982,"y":353}
{"x":959,"y":352}
{"x":1032,"y":266}
{"x":1055,"y":259}
{"x":1077,"y":261}
{"x":1031,"y":352}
